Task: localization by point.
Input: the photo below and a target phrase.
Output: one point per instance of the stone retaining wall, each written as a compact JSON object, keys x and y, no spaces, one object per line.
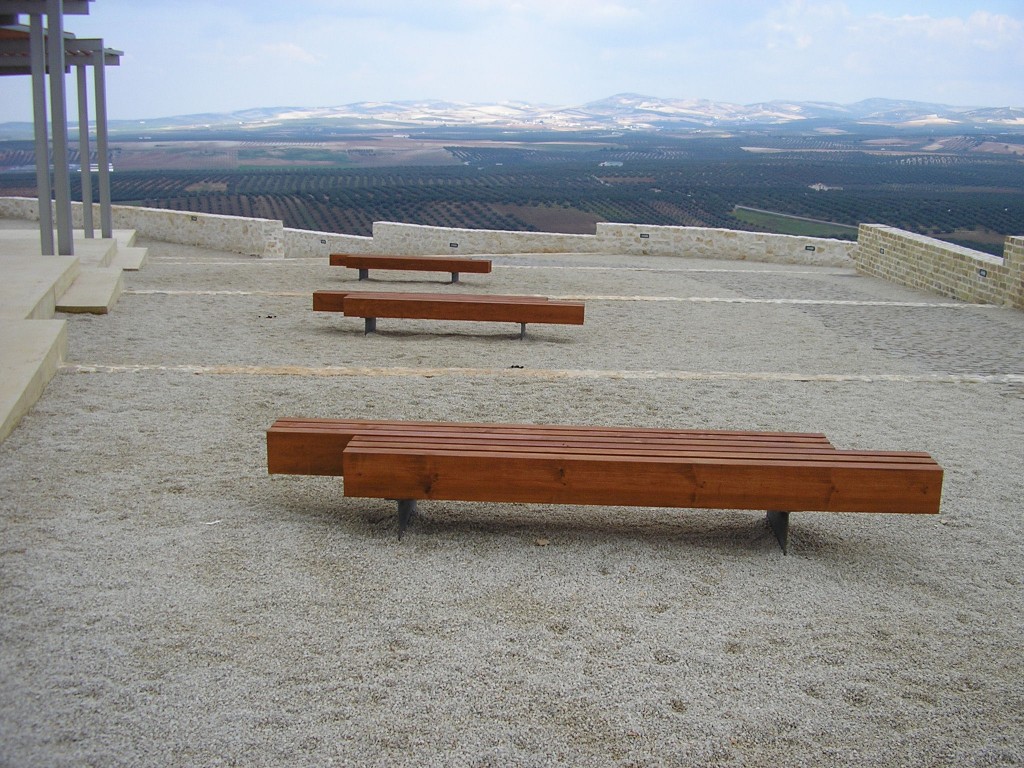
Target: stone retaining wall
{"x":267,"y":238}
{"x":712,"y":243}
{"x":259,"y":237}
{"x":942,"y":268}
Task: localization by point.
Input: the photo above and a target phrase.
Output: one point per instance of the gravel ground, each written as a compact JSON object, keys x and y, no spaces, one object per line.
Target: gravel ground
{"x":166,"y":602}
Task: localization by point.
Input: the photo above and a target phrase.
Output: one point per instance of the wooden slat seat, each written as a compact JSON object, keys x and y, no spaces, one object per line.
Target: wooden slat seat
{"x":776,"y":472}
{"x":432,"y":306}
{"x":452,"y":264}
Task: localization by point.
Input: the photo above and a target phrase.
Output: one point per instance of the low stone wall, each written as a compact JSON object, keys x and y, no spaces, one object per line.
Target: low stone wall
{"x":267,"y":238}
{"x":259,"y":237}
{"x":304,"y":244}
{"x":732,"y":244}
{"x":942,"y":268}
{"x":416,"y":239}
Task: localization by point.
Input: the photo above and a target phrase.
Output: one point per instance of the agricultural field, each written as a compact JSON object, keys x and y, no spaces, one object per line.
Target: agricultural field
{"x":965,"y":189}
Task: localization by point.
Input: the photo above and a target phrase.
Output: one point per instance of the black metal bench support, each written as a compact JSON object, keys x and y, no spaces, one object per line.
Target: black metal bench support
{"x":406,"y":512}
{"x":779,"y":523}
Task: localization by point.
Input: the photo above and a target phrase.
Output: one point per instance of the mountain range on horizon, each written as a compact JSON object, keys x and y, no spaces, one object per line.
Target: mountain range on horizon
{"x":631,"y":111}
{"x":624,"y":111}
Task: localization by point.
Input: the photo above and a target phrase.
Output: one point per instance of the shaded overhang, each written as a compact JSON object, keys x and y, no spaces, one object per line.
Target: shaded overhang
{"x":15,"y":51}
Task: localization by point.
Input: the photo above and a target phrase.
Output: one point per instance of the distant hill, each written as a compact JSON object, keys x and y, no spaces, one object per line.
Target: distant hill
{"x":624,"y":111}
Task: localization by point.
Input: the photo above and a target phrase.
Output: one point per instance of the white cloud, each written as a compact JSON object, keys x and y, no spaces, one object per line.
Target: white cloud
{"x":288,"y":52}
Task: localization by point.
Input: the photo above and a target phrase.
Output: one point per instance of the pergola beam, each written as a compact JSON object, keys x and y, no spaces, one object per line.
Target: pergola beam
{"x":30,"y":53}
{"x":59,"y":126}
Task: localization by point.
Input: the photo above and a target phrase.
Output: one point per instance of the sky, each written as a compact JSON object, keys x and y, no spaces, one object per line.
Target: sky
{"x":195,"y":56}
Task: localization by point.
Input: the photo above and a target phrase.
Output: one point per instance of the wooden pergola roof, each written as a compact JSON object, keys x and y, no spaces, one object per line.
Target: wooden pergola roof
{"x":26,"y":50}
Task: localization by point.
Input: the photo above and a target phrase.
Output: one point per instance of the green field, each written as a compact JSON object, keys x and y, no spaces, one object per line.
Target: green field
{"x":785,"y":224}
{"x":550,"y":181}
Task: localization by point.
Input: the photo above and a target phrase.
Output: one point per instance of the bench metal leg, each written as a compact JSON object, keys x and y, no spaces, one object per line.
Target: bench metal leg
{"x":522,"y":330}
{"x":779,"y":523}
{"x":406,"y":512}
{"x":364,"y":274}
{"x":455,"y":277}
{"x":369,"y":325}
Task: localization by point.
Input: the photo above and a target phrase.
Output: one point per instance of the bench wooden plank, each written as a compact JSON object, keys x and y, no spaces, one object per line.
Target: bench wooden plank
{"x":334,"y":301}
{"x":476,"y":307}
{"x":314,"y":446}
{"x":836,"y":483}
{"x":495,"y":310}
{"x":353,"y":426}
{"x":716,"y":469}
{"x":452,"y":264}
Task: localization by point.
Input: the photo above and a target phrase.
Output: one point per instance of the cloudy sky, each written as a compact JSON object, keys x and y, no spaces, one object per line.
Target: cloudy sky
{"x":192,"y":56}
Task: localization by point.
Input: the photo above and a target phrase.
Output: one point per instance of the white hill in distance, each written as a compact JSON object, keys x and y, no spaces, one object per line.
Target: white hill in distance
{"x":625,"y":111}
{"x":622,"y":112}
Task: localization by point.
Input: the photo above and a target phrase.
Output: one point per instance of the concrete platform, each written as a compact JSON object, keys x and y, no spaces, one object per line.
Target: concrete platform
{"x":95,"y":290}
{"x":33,"y":289}
{"x":32,"y":285}
{"x":31,"y":351}
{"x":129,"y":258}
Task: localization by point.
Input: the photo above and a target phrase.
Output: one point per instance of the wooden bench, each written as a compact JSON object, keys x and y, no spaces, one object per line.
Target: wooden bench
{"x":436,"y":306}
{"x":365,"y":262}
{"x":779,"y":472}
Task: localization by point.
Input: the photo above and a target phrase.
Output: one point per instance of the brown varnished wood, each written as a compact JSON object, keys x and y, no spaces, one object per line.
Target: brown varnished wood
{"x":314,"y":446}
{"x":716,"y":469}
{"x":362,"y":426}
{"x":411,"y":263}
{"x":840,"y":483}
{"x":490,"y":308}
{"x":334,"y":301}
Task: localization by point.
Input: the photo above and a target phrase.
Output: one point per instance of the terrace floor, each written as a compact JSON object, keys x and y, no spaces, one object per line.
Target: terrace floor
{"x":165,"y":601}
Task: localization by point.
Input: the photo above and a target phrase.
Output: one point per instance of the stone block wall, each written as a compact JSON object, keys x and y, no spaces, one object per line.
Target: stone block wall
{"x":416,"y":239}
{"x":731,"y":244}
{"x":268,"y":238}
{"x":259,"y":237}
{"x":304,"y":244}
{"x":942,"y":268}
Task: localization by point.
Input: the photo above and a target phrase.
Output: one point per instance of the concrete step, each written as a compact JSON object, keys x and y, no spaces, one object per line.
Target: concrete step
{"x":32,"y":284}
{"x":124,"y":237}
{"x":95,"y":290}
{"x":32,"y":352}
{"x":95,"y":252}
{"x":129,"y":258}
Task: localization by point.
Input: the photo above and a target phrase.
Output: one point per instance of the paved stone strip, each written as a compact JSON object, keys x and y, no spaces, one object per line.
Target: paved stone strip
{"x":305,"y":260}
{"x":596,"y":297}
{"x":542,"y":373}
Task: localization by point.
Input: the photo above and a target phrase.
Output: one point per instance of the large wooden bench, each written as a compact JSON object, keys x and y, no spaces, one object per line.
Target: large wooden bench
{"x":779,"y":472}
{"x":452,"y":264}
{"x":436,"y":306}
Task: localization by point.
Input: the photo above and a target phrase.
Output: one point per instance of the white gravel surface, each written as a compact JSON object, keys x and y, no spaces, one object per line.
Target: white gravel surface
{"x":166,"y":602}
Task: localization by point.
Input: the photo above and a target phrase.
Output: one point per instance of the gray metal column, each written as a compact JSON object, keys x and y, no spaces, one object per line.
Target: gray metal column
{"x":37,"y":54}
{"x":59,"y":125}
{"x":102,"y":156}
{"x":83,"y":150}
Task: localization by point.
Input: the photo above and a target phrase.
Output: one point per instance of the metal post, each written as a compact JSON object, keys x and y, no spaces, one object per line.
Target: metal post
{"x":83,"y":151}
{"x":44,"y":190}
{"x":59,"y":124}
{"x":406,"y":512}
{"x":779,"y":523}
{"x":102,"y":152}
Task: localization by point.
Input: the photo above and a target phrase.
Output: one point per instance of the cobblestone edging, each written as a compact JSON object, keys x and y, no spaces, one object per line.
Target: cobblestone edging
{"x":939,"y":267}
